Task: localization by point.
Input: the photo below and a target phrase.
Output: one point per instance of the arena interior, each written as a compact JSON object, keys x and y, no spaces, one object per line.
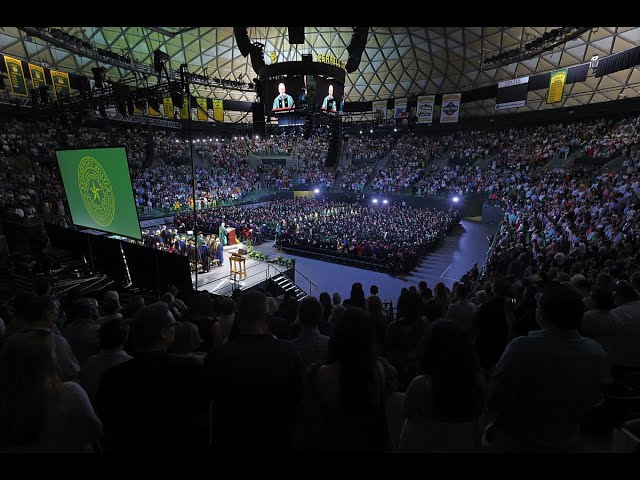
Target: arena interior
{"x":320,"y":239}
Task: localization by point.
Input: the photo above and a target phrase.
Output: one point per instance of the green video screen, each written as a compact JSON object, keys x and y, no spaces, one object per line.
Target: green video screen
{"x":98,"y":188}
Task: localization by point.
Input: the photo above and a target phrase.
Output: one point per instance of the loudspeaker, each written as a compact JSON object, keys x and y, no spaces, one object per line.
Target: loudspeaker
{"x":307,"y":58}
{"x":242,"y":40}
{"x":259,"y":124}
{"x":296,"y":35}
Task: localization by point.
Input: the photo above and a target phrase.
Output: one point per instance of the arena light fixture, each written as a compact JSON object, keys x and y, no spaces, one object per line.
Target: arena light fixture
{"x":455,"y":199}
{"x":360,"y":132}
{"x":395,"y":129}
{"x":317,"y":190}
{"x":375,"y":200}
{"x":371,"y":130}
{"x":385,"y":201}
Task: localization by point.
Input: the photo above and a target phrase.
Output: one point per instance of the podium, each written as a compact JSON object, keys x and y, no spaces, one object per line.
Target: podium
{"x":237,"y":266}
{"x":231,"y":236}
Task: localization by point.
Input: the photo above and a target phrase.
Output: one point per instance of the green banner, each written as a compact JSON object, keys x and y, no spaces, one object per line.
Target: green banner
{"x":16,"y":76}
{"x":61,"y":84}
{"x":99,"y":191}
{"x":37,"y":76}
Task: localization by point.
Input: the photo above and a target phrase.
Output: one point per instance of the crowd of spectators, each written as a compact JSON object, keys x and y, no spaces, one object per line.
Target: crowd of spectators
{"x":369,"y":146}
{"x":516,"y":357}
{"x":272,"y":144}
{"x":354,"y":177}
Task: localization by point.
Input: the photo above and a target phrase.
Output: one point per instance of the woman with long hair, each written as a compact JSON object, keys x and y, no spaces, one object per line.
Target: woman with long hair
{"x":39,"y":412}
{"x":375,"y":309}
{"x":437,"y":307}
{"x":451,"y":389}
{"x":356,"y":299}
{"x":325,"y":299}
{"x":345,"y":400}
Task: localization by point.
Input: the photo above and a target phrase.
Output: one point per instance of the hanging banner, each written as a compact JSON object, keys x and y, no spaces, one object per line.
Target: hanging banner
{"x":184,"y":113}
{"x":167,"y":102}
{"x":512,"y":93}
{"x":425,"y":108}
{"x":16,"y":76}
{"x":450,"y":109}
{"x":218,"y":111}
{"x":37,"y":76}
{"x":202,"y":109}
{"x":380,"y":106}
{"x":153,"y":112}
{"x":557,"y":80}
{"x":61,"y":84}
{"x":400,"y":110}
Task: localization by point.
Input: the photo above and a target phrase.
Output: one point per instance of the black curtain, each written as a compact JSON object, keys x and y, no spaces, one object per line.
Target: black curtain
{"x":619,"y":61}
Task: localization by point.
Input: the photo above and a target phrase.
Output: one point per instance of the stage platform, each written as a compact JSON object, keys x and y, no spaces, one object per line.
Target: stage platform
{"x":219,"y":281}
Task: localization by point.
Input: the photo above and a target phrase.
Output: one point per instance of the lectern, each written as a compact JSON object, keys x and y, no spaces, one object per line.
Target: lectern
{"x":231,"y":236}
{"x":237,"y":266}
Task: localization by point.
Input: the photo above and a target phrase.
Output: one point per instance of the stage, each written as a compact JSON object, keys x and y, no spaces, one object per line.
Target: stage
{"x":219,"y":281}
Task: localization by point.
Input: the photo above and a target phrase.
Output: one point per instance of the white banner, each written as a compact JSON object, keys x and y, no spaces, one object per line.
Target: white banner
{"x":425,"y":109}
{"x":450,"y":109}
{"x":380,"y":106}
{"x":400,"y":110}
{"x":513,"y":82}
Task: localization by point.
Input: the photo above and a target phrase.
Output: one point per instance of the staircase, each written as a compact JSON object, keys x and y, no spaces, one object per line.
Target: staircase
{"x":613,"y":165}
{"x":379,"y":165}
{"x":287,"y":285}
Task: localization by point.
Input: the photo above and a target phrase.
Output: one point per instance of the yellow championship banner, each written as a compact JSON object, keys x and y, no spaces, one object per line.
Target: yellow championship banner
{"x":168,"y":107}
{"x":16,"y":76}
{"x":218,"y":111}
{"x":202,"y":109}
{"x":153,"y":112}
{"x":557,"y":80}
{"x":37,"y":76}
{"x":61,"y":84}
{"x":184,"y":113}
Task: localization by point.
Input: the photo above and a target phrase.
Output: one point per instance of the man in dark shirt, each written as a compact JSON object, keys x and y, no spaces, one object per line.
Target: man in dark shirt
{"x":545,"y":382}
{"x":490,"y":327}
{"x":255,"y":383}
{"x":155,"y":401}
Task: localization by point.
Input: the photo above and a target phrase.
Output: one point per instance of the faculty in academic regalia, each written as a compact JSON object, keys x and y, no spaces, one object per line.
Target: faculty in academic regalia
{"x":219,"y":251}
{"x":222,"y":233}
{"x":204,"y":257}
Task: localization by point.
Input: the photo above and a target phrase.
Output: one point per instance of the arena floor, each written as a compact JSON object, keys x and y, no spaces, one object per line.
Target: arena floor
{"x":467,"y":244}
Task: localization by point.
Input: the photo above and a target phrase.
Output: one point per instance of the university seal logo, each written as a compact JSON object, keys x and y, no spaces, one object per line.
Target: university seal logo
{"x":450,"y":108}
{"x":96,"y":191}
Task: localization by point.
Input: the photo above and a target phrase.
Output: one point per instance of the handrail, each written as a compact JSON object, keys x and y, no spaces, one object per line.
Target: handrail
{"x":490,"y":251}
{"x":305,"y":277}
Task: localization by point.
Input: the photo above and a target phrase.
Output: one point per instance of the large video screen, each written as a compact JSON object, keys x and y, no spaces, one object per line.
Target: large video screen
{"x":329,"y":94}
{"x":284,"y":94}
{"x":99,"y":191}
